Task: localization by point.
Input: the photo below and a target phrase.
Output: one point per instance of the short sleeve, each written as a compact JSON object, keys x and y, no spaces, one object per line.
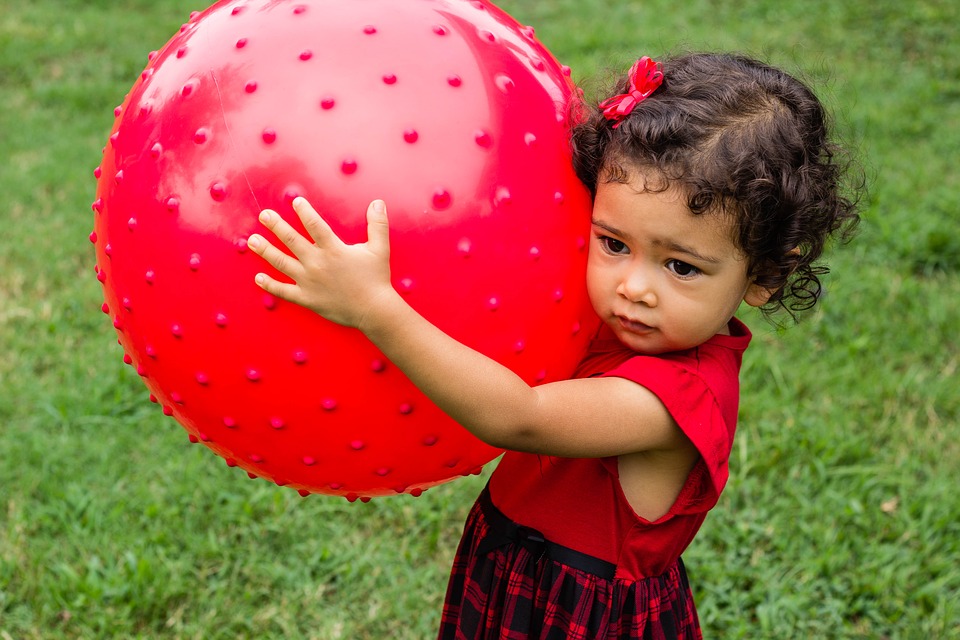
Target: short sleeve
{"x":698,"y":409}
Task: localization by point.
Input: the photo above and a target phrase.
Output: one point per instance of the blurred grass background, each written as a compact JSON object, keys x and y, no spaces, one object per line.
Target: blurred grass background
{"x":841,"y":516}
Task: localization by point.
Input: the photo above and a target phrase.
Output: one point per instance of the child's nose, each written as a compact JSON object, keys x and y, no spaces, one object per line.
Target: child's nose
{"x":638,"y":286}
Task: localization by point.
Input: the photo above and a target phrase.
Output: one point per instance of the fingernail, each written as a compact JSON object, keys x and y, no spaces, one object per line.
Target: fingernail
{"x":378,"y":206}
{"x":253,"y":242}
{"x":264,"y":216}
{"x":260,"y":279}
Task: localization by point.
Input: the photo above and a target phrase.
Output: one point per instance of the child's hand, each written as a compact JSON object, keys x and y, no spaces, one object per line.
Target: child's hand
{"x":341,"y":282}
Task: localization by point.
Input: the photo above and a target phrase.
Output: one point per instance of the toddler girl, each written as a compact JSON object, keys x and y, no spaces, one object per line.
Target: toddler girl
{"x":714,"y":182}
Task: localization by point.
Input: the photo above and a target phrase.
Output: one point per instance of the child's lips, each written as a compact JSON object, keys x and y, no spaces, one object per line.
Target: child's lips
{"x":634,"y":326}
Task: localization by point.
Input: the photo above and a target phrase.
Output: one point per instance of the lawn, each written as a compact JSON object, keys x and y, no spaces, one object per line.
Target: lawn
{"x":841,"y":516}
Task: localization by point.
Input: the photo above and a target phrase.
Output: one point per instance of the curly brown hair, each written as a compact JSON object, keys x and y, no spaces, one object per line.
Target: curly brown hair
{"x":742,"y":138}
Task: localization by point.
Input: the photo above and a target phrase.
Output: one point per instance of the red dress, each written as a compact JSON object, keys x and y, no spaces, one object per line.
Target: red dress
{"x":553,"y":550}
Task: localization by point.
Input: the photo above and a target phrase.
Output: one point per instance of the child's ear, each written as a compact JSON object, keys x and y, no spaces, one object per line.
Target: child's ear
{"x":757,"y":295}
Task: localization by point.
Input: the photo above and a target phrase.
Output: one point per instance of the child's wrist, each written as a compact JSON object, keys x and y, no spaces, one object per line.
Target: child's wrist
{"x":381,"y":311}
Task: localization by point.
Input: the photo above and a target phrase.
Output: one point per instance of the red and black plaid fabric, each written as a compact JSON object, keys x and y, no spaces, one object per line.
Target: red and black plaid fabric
{"x":507,"y":583}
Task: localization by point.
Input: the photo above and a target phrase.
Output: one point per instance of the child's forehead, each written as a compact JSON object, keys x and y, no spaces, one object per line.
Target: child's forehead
{"x":644,"y":180}
{"x":637,"y":206}
{"x":653,"y":178}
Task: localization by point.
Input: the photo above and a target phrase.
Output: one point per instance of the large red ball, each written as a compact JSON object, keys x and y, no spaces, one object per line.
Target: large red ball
{"x":450,"y":111}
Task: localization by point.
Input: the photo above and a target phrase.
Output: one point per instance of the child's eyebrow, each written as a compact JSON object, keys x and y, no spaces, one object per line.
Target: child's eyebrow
{"x":672,"y":245}
{"x":680,"y":248}
{"x":606,"y":227}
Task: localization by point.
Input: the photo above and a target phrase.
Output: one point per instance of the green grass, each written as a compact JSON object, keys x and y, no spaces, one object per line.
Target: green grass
{"x":840,"y":519}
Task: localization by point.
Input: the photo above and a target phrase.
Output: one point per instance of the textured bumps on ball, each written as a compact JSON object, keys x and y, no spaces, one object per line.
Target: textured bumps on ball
{"x":449,"y":110}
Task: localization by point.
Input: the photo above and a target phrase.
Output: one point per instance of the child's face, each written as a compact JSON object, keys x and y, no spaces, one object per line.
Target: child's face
{"x":661,"y":277}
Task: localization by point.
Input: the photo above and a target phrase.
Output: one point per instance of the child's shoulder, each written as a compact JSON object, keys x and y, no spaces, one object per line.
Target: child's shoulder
{"x":606,"y":354}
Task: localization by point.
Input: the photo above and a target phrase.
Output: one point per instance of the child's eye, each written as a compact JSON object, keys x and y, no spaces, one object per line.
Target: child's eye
{"x":613,"y":246}
{"x":682,"y":269}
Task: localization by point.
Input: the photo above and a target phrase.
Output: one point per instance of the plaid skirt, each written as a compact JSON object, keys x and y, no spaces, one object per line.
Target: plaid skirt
{"x":509,"y":583}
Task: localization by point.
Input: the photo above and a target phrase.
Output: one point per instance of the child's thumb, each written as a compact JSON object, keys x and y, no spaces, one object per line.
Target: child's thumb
{"x":378,"y":228}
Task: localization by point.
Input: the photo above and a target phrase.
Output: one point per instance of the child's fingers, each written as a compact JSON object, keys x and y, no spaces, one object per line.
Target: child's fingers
{"x":277,"y":259}
{"x":285,"y":233}
{"x":378,"y":228}
{"x":282,"y":290}
{"x":315,"y":225}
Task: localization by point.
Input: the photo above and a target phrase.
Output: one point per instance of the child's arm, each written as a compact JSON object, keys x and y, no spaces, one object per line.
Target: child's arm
{"x":350,"y":285}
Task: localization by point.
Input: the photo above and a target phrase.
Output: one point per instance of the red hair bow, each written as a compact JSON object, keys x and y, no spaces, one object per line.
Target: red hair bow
{"x":644,"y":78}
